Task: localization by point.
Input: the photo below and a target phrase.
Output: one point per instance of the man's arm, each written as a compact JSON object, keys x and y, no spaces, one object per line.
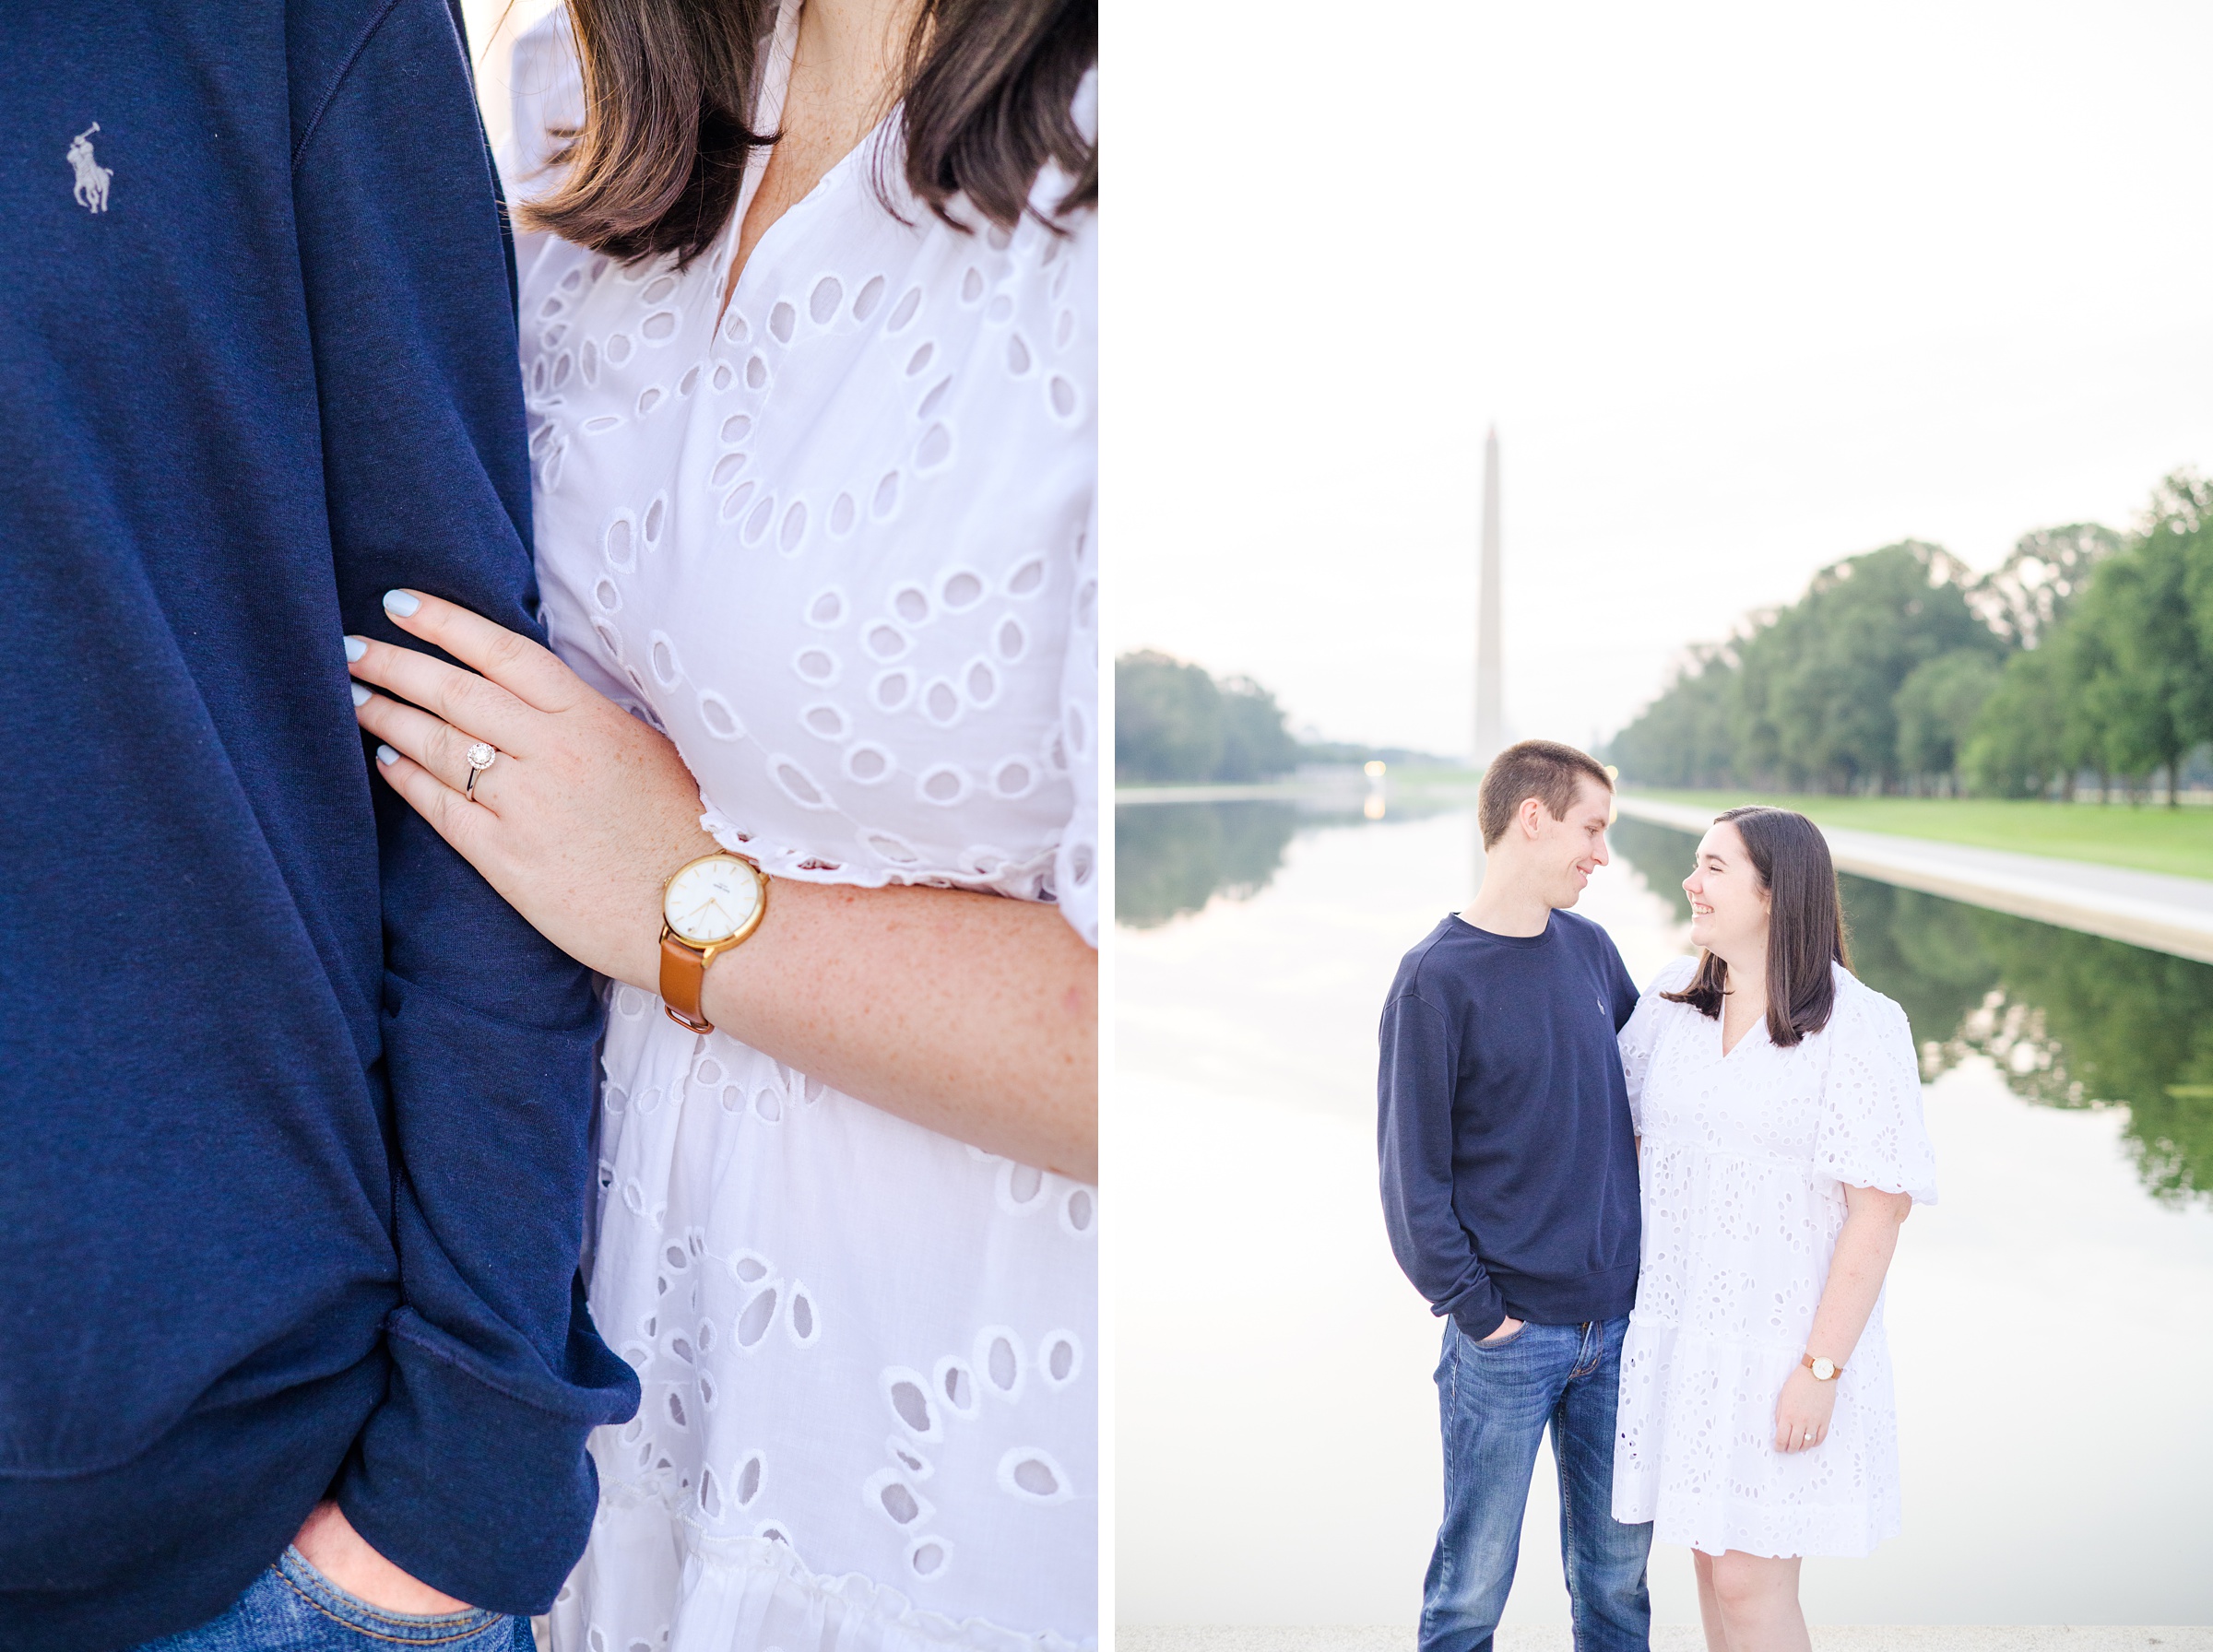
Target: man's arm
{"x":1414,"y":1142}
{"x":471,"y":1476}
{"x":1621,"y":988}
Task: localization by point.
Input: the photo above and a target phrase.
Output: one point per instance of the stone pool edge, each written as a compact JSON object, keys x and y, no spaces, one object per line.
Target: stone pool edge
{"x":1678,"y":1638}
{"x":2161,"y":912}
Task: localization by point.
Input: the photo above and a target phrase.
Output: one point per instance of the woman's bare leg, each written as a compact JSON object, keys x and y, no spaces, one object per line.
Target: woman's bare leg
{"x":1709,"y":1608}
{"x":1757,"y":1597}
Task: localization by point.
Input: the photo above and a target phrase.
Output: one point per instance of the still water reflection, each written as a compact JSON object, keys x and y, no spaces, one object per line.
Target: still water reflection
{"x":1277,"y":1453}
{"x":1174,"y":857}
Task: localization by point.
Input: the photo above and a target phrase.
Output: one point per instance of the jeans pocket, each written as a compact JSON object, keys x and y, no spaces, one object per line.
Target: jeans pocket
{"x":466,"y":1631}
{"x":1490,"y":1345}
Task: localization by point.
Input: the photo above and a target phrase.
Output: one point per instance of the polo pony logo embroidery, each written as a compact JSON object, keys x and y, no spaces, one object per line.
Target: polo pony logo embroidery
{"x":91,"y":177}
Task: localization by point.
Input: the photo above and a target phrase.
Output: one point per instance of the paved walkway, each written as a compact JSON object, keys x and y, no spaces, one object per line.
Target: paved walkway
{"x":2146,"y":909}
{"x":1835,"y":1637}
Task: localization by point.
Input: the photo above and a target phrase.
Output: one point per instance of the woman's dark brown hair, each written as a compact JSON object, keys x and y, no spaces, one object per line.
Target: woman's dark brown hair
{"x":1805,"y":924}
{"x":658,"y":162}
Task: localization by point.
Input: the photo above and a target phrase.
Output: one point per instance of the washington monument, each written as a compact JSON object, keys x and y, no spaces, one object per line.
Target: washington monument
{"x":1489,"y":725}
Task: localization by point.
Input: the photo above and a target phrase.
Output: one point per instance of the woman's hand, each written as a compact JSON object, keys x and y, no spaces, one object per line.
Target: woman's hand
{"x":970,"y":1014}
{"x":1803,"y":1412}
{"x":584,"y":813}
{"x":1855,"y":1282}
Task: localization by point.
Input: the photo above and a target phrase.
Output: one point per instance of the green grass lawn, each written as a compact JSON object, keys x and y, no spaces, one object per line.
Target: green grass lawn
{"x":2151,"y":838}
{"x":1408,"y":774}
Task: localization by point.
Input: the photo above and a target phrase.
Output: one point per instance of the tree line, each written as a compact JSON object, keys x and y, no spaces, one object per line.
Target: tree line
{"x":1175,"y":724}
{"x":2088,"y":653}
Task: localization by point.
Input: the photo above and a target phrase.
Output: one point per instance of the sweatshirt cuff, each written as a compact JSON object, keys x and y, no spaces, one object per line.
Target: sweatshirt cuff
{"x":1478,"y":1321}
{"x":482,"y":1492}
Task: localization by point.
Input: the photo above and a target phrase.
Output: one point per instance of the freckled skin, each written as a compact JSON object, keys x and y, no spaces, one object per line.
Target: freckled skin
{"x":971,"y":1014}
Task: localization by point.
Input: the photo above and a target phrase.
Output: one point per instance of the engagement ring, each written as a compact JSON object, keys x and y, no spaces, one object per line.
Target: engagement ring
{"x":479,"y":757}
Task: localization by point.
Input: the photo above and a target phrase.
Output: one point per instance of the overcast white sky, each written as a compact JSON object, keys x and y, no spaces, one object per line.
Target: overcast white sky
{"x":1745,"y":288}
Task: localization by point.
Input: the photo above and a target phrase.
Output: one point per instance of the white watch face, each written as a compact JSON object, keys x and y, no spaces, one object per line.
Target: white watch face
{"x":712,"y":900}
{"x":1824,"y":1370}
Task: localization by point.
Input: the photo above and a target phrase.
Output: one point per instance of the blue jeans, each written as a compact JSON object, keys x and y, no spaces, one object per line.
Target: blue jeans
{"x":1495,"y":1400}
{"x":293,"y":1607}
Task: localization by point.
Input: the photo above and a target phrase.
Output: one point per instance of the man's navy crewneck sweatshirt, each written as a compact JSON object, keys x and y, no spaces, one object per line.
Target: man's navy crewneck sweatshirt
{"x":293,"y":1108}
{"x":1508,"y":1160}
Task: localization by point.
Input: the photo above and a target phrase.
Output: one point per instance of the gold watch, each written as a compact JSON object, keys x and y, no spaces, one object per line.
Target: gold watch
{"x":708,"y":906}
{"x":1824,"y":1370}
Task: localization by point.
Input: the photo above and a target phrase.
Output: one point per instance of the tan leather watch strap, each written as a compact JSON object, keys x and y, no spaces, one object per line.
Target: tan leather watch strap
{"x":1835,"y":1369}
{"x":684,"y":980}
{"x":684,"y":963}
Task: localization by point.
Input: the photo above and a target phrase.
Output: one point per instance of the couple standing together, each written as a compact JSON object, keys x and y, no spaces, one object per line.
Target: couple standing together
{"x":712,"y":902}
{"x":1659,"y":1225}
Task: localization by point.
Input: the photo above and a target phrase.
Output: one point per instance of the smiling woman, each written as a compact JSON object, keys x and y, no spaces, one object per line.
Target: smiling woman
{"x":1765,"y":892}
{"x":1778,"y":1107}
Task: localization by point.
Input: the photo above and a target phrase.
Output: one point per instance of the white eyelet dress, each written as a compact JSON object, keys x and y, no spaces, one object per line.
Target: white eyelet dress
{"x":842,"y":549}
{"x":1744,"y":1165}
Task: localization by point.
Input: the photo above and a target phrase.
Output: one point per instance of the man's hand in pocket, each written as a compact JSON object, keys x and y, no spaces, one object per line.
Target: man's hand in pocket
{"x":1507,"y":1328}
{"x":329,"y":1544}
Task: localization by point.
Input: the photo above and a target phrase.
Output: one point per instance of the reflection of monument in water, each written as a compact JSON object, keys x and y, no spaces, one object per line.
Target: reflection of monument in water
{"x":1489,"y":722}
{"x":1490,"y":725}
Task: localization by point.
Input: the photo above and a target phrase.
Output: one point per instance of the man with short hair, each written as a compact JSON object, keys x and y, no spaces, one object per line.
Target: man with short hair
{"x":1510,"y":1188}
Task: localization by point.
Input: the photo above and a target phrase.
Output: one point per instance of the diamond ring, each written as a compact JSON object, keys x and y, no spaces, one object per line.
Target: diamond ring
{"x":479,"y":757}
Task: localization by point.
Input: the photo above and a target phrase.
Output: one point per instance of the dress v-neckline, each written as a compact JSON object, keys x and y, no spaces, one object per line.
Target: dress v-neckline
{"x":1721,"y":1028}
{"x":783,"y":51}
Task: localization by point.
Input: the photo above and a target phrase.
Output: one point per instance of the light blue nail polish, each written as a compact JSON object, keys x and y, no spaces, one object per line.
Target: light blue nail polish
{"x":402,"y":603}
{"x":355,"y":648}
{"x":361,"y":695}
{"x":386,"y":755}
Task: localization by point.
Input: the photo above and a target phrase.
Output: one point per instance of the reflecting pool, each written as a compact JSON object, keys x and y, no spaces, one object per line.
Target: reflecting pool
{"x":2051,"y":1318}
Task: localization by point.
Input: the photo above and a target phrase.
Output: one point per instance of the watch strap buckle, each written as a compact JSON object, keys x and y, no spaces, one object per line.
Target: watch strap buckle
{"x":684,"y":982}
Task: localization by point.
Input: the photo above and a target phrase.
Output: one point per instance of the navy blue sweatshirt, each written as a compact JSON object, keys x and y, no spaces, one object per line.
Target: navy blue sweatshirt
{"x":293,"y":1108}
{"x":1510,"y":1163}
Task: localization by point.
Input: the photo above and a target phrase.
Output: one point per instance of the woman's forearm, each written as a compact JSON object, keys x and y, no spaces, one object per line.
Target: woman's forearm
{"x":1856,"y":1271}
{"x":974,"y":1015}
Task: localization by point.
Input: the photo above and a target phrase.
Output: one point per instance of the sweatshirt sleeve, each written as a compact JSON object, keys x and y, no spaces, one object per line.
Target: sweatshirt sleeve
{"x":471,"y":1474}
{"x":1414,"y":1142}
{"x":1621,"y":988}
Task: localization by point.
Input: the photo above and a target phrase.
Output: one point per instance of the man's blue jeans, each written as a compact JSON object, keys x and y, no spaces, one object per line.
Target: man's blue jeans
{"x":1496,"y":1399}
{"x":293,"y":1607}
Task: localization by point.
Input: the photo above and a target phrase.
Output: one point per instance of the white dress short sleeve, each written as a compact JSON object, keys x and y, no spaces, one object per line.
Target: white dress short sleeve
{"x":1740,"y":1164}
{"x":839,"y":541}
{"x":1872,"y":1134}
